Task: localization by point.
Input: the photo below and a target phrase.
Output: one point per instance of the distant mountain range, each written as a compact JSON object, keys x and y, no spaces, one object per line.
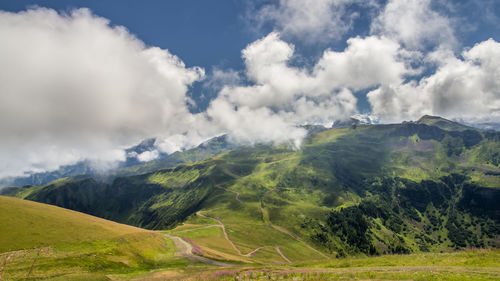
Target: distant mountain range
{"x":130,"y":166}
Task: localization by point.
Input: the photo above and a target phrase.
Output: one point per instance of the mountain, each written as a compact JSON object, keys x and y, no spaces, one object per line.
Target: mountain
{"x":131,"y":166}
{"x":203,"y":151}
{"x":442,"y":123}
{"x":430,"y":185}
{"x":488,"y":126}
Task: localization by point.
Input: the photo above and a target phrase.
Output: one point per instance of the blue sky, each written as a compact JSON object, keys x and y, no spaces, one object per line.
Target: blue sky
{"x":213,"y":33}
{"x":201,"y":32}
{"x":77,"y":85}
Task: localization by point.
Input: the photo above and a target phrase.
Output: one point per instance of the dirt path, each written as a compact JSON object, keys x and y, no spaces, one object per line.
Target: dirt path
{"x":255,"y":250}
{"x":184,"y":250}
{"x":196,"y":228}
{"x":278,"y":249}
{"x":266,"y":219}
{"x":237,"y":197}
{"x":251,"y":253}
{"x":221,"y":225}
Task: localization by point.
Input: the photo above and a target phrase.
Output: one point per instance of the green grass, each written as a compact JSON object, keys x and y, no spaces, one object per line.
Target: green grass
{"x":27,"y":224}
{"x":479,"y":258}
{"x":69,"y":245}
{"x":298,"y":189}
{"x":174,"y":179}
{"x":462,"y":265}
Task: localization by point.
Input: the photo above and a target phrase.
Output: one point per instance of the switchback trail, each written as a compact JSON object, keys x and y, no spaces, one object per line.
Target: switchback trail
{"x":184,"y":249}
{"x":265,"y":218}
{"x":267,"y":221}
{"x":251,"y":253}
{"x":237,"y":197}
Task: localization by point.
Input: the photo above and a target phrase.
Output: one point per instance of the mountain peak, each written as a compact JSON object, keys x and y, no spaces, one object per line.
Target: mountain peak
{"x":442,"y":123}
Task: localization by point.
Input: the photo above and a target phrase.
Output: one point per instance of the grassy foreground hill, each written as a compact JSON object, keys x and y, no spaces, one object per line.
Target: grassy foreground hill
{"x":28,"y":224}
{"x":425,"y":186}
{"x":39,"y":241}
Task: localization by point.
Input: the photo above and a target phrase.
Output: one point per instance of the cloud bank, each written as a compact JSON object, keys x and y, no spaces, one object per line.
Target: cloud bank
{"x":74,"y":87}
{"x":462,"y":86}
{"x":466,"y":88}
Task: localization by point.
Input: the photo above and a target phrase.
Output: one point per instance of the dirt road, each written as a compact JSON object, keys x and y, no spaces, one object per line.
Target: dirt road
{"x":237,"y":197}
{"x":184,"y":250}
{"x":236,"y":248}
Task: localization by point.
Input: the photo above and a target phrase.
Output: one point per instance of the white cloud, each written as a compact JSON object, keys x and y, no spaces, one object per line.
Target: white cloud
{"x":461,"y":87}
{"x":220,"y":78}
{"x":415,"y":24}
{"x":249,"y":126}
{"x":310,"y":20}
{"x":72,"y":87}
{"x":148,"y":155}
{"x":283,"y":96}
{"x":366,"y":62}
{"x":466,"y":89}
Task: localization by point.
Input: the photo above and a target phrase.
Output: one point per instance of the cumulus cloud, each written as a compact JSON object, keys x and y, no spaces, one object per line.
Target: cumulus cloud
{"x":282,"y":96}
{"x":310,"y":20}
{"x":462,"y":87}
{"x":466,"y":88}
{"x":415,"y":24}
{"x":72,"y":87}
{"x":366,"y":62}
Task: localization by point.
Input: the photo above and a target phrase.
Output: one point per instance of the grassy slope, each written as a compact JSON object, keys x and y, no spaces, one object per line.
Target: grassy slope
{"x":27,"y":224}
{"x":286,"y":197}
{"x":70,"y":245}
{"x":294,"y":187}
{"x":276,"y":196}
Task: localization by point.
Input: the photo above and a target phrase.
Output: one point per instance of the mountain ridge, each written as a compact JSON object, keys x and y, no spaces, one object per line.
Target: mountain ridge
{"x":371,"y":189}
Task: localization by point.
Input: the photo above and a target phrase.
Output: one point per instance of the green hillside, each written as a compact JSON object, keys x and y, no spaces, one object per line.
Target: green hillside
{"x":361,"y":190}
{"x":27,"y":224}
{"x":43,"y":241}
{"x":442,"y":123}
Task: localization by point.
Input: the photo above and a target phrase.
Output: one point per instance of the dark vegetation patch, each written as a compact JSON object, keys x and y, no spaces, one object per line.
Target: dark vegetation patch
{"x":469,"y":213}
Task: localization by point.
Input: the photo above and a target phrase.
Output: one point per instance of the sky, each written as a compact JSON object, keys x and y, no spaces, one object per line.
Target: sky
{"x":83,"y":80}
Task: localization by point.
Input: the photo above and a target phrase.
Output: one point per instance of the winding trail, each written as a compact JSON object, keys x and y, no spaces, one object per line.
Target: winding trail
{"x":184,"y":249}
{"x":266,"y":219}
{"x":197,"y":228}
{"x":221,"y":225}
{"x":181,"y":243}
{"x":237,"y":197}
{"x":251,"y":253}
{"x":278,"y":249}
